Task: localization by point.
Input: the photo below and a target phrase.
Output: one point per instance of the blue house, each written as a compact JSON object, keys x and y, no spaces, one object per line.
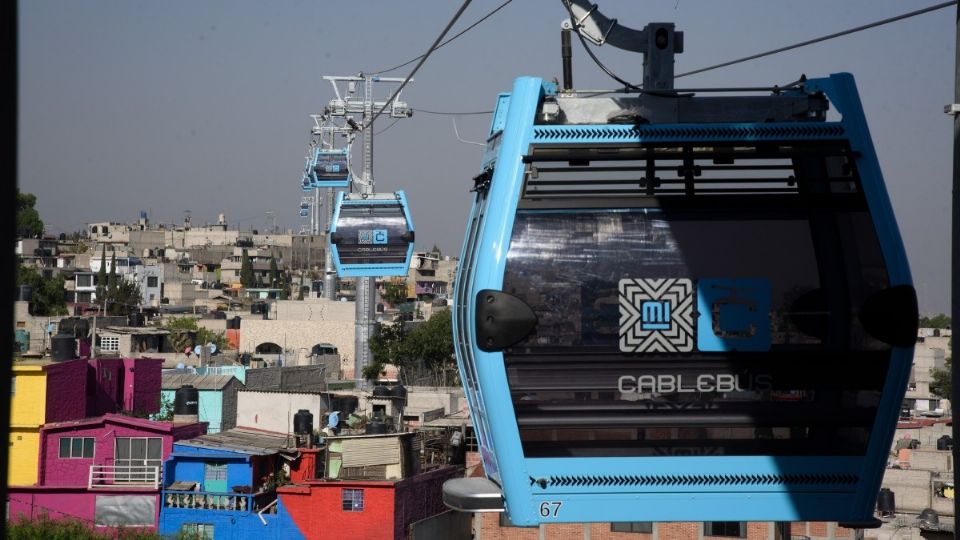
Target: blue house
{"x":218,"y":396}
{"x":223,"y":486}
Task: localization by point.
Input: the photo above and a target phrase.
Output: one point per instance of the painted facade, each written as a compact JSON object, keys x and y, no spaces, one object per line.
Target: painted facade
{"x":218,"y":396}
{"x":105,"y":470}
{"x":221,"y":487}
{"x":374,"y":510}
{"x":30,"y":408}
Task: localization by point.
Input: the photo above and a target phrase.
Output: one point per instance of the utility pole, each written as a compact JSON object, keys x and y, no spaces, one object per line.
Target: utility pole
{"x":341,"y":106}
{"x":954,"y":110}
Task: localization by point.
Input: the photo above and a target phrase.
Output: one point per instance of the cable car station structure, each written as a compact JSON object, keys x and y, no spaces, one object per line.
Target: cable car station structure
{"x":680,"y":305}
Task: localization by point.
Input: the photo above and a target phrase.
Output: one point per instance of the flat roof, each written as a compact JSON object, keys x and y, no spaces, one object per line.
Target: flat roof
{"x":243,"y":440}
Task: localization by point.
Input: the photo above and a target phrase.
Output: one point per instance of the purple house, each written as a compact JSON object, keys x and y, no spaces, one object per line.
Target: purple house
{"x":123,"y":384}
{"x":105,"y":470}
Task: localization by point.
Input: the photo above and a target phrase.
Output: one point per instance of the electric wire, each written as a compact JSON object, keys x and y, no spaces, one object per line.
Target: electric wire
{"x":423,"y":59}
{"x":462,"y":32}
{"x":822,"y":38}
{"x":452,"y":113}
{"x":388,"y":127}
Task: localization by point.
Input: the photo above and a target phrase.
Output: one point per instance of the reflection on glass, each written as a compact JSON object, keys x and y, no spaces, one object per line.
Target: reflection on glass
{"x":817,"y":387}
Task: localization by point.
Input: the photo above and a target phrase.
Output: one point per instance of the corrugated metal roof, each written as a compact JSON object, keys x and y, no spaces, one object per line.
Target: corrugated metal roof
{"x":172,"y":381}
{"x":247,"y":441}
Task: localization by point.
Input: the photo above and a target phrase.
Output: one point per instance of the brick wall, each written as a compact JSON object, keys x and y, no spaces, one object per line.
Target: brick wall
{"x":317,"y":510}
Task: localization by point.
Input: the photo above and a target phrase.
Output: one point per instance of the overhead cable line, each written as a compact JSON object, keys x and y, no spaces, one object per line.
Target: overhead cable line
{"x":452,"y":113}
{"x":423,"y":59}
{"x":823,"y":38}
{"x":827,"y":37}
{"x":462,"y":32}
{"x":388,"y":127}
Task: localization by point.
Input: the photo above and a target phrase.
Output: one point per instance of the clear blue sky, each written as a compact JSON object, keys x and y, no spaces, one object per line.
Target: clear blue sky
{"x":203,"y":106}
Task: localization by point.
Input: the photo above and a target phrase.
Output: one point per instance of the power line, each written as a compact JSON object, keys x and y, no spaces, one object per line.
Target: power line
{"x":822,"y":38}
{"x":423,"y":59}
{"x":388,"y":127}
{"x":452,"y":113}
{"x":462,"y":32}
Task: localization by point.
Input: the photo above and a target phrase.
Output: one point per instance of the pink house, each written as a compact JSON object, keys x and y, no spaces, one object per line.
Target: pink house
{"x":105,"y":470}
{"x":123,"y":384}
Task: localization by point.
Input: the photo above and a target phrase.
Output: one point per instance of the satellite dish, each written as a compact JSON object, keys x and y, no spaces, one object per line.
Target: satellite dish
{"x":196,"y":350}
{"x":212,"y":347}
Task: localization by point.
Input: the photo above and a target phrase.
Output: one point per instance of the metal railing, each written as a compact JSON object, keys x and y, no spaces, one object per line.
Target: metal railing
{"x":107,"y":476}
{"x":205,"y":500}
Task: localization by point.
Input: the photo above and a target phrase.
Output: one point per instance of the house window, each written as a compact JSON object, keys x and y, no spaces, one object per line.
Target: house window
{"x":153,"y":281}
{"x":200,"y":531}
{"x":135,"y":458}
{"x":85,"y":281}
{"x":352,"y":500}
{"x":633,"y":527}
{"x":109,"y":343}
{"x":76,"y":447}
{"x":735,"y":529}
{"x":215,"y":476}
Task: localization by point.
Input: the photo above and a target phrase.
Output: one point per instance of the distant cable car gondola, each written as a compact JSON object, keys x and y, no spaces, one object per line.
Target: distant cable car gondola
{"x":327,"y":169}
{"x":371,"y":235}
{"x":672,"y":307}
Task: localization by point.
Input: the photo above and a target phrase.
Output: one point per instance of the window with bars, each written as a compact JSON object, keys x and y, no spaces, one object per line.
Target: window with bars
{"x":632,"y":527}
{"x":76,"y":447}
{"x":200,"y":531}
{"x":214,"y":470}
{"x":109,"y":343}
{"x":352,"y":500}
{"x":735,"y":529}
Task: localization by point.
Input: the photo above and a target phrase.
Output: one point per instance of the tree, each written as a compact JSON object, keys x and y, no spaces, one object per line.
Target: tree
{"x":102,"y":275}
{"x":940,"y":321}
{"x":122,"y":298}
{"x":247,"y":280}
{"x":182,"y":328}
{"x":29,"y":224}
{"x":394,"y":293}
{"x":426,"y":352}
{"x":941,"y":384}
{"x":112,"y":276}
{"x":274,"y":272}
{"x":48,"y":294}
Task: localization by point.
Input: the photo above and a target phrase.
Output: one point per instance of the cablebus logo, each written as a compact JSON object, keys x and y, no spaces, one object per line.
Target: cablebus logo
{"x":656,"y":315}
{"x":372,"y":236}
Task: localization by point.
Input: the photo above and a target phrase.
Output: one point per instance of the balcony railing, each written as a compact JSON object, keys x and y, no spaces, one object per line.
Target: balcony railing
{"x":263,"y":502}
{"x":117,"y":476}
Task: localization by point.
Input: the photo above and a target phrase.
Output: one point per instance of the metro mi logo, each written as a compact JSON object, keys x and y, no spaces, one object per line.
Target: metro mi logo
{"x":656,"y":315}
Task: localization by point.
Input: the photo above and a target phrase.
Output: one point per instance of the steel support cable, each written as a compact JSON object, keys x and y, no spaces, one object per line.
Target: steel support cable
{"x":462,"y":32}
{"x":423,"y":59}
{"x":772,"y":51}
{"x":823,"y":38}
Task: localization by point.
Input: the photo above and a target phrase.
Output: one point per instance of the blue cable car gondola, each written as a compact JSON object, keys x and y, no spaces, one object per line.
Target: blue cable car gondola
{"x":327,"y":169}
{"x":371,"y":235}
{"x":672,"y":307}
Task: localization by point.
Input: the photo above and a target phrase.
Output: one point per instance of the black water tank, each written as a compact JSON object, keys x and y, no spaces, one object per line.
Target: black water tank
{"x":945,"y":443}
{"x":136,"y":319}
{"x":234,"y":323}
{"x":25,"y":293}
{"x":303,"y":422}
{"x":63,"y":347}
{"x":381,"y":391}
{"x":375,"y":427}
{"x":258,"y":308}
{"x":399,"y":392}
{"x":186,"y":401}
{"x":222,"y":315}
{"x":886,"y":503}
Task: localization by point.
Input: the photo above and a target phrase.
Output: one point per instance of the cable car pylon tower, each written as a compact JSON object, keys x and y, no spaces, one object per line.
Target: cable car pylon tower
{"x":344,"y":105}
